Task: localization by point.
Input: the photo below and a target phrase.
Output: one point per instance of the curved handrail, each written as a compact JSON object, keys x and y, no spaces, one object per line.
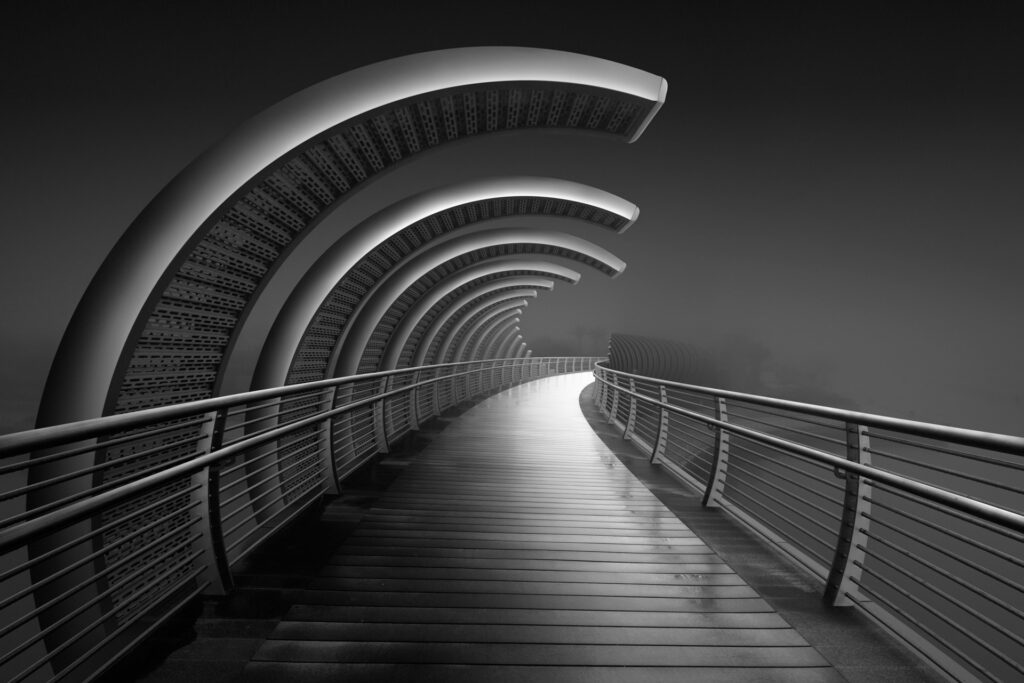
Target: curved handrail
{"x":1004,"y":443}
{"x":24,"y":531}
{"x":992,"y":513}
{"x":913,"y":531}
{"x":185,"y":492}
{"x":45,"y":437}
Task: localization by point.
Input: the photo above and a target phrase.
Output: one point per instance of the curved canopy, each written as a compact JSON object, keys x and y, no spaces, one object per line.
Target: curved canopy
{"x":328,"y":297}
{"x":449,"y":257}
{"x":159,"y":318}
{"x":442,"y":319}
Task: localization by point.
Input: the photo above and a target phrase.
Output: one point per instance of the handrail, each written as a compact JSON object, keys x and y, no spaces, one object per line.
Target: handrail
{"x":992,"y":513}
{"x":45,"y":437}
{"x":1004,"y":443}
{"x":917,"y":529}
{"x":25,"y":531}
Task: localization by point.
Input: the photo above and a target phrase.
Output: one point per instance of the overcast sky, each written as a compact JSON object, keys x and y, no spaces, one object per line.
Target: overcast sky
{"x":829,"y":199}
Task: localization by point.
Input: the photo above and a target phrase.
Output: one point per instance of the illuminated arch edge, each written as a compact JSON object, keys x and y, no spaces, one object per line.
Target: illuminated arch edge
{"x":460,"y":312}
{"x":505,"y":350}
{"x":313,"y":292}
{"x":85,"y":375}
{"x":501,"y":339}
{"x":353,"y":341}
{"x":479,"y":324}
{"x":483,"y":344}
{"x":528,"y":270}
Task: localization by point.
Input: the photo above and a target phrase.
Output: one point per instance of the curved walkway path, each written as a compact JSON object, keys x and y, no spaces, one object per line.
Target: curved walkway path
{"x":517,"y":547}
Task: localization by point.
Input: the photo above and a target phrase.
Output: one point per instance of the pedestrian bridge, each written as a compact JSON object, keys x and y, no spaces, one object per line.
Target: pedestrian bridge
{"x":239,"y":363}
{"x":558,"y":529}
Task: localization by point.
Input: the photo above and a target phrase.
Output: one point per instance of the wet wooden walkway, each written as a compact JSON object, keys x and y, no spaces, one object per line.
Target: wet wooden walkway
{"x":517,"y":548}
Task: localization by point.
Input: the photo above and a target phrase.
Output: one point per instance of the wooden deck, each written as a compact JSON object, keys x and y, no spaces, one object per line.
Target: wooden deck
{"x":518,"y":548}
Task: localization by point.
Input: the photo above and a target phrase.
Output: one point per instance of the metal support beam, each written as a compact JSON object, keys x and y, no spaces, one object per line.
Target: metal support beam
{"x":714,"y":492}
{"x":849,"y":554}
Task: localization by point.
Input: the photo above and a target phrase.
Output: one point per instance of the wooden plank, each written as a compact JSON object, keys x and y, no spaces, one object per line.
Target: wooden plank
{"x":533,"y":633}
{"x":539,"y":654}
{"x":674,"y":589}
{"x":602,"y":555}
{"x":320,"y":672}
{"x":536,"y":601}
{"x":693,"y":576}
{"x":590,"y":617}
{"x":704,"y":564}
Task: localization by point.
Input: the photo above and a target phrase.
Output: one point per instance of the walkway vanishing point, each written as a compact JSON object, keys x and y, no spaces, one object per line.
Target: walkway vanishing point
{"x":517,"y":547}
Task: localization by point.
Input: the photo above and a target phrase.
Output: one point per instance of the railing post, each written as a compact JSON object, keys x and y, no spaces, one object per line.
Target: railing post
{"x":327,"y":447}
{"x":849,"y":556}
{"x":435,"y":393}
{"x":613,"y":412}
{"x":206,"y":497}
{"x":414,"y":400}
{"x":658,"y":452}
{"x":714,"y":492}
{"x":466,"y":392}
{"x":380,"y":434}
{"x":631,"y":418}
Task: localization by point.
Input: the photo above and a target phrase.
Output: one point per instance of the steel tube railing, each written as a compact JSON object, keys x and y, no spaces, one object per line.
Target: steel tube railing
{"x":99,"y":553}
{"x":972,"y":479}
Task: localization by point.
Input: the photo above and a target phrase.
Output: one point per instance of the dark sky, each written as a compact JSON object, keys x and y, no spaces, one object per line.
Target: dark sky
{"x":831,"y":199}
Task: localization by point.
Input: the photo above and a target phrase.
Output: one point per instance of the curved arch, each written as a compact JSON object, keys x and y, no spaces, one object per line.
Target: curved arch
{"x":487,"y":332}
{"x":160,"y":317}
{"x":200,"y":251}
{"x":321,"y":305}
{"x":483,"y":346}
{"x":355,"y":337}
{"x":437,"y":304}
{"x":446,"y":320}
{"x":504,"y":271}
{"x":505,"y":350}
{"x":482,"y":322}
{"x":523,"y":351}
{"x":411,"y":320}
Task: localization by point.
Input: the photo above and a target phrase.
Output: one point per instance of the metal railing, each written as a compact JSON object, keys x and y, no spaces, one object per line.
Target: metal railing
{"x":918,"y":524}
{"x":111,"y":525}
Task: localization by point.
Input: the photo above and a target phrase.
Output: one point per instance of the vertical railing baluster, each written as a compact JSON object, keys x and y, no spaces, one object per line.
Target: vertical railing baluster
{"x":206,"y":497}
{"x":631,"y":417}
{"x":658,"y":452}
{"x":326,"y":447}
{"x":414,"y":401}
{"x":613,"y":412}
{"x":849,"y":556}
{"x":379,"y":432}
{"x":714,"y":492}
{"x":435,"y":393}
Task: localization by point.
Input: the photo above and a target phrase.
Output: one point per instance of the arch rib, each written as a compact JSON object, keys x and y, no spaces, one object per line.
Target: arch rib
{"x":461,"y":311}
{"x":271,"y":180}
